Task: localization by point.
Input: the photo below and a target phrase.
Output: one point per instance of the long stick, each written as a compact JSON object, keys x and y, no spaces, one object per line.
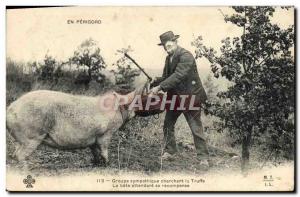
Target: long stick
{"x":126,"y":55}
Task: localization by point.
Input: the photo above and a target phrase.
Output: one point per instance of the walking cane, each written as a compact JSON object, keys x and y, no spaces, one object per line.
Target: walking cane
{"x":149,"y":78}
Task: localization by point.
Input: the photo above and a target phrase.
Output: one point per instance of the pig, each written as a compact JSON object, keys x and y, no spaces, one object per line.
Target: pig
{"x":66,"y":121}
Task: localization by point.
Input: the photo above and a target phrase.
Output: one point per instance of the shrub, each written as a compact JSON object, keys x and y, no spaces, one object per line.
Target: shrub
{"x":89,"y":61}
{"x":124,"y":73}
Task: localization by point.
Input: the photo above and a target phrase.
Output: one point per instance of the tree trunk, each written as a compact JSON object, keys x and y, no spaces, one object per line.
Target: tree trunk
{"x":87,"y":85}
{"x":245,"y":151}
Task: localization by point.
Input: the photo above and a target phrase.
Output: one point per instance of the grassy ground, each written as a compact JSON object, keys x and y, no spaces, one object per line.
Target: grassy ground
{"x":137,"y":147}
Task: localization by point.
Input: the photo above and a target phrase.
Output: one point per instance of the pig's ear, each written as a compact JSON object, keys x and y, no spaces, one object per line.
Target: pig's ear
{"x":121,"y":99}
{"x":116,"y":95}
{"x":130,"y":96}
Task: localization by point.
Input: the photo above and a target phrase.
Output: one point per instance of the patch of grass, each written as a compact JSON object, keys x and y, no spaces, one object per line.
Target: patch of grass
{"x":137,"y":147}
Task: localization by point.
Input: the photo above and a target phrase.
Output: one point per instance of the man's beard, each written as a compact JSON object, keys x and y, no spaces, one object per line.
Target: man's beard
{"x":170,"y":52}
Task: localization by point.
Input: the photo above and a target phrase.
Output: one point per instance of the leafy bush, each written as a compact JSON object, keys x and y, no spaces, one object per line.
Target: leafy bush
{"x":89,"y":61}
{"x":124,"y":73}
{"x":49,"y":70}
{"x":261,"y":68}
{"x":17,"y":81}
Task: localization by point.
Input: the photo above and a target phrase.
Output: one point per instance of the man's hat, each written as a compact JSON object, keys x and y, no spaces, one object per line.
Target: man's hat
{"x":167,"y":36}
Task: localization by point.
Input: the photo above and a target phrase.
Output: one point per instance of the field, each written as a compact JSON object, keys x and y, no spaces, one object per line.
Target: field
{"x":136,"y":147}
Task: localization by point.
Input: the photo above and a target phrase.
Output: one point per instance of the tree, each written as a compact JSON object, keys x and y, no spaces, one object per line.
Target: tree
{"x":88,"y":58}
{"x":124,"y":73}
{"x":49,"y":70}
{"x":260,"y":66}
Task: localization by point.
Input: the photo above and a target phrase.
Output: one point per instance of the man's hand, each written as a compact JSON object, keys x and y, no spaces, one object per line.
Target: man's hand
{"x":155,"y":90}
{"x":155,"y":82}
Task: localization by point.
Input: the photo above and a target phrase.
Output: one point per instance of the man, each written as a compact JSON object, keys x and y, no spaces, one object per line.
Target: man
{"x":180,"y":77}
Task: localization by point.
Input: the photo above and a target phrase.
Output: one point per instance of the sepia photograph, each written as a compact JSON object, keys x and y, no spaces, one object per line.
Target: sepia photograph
{"x":150,"y":98}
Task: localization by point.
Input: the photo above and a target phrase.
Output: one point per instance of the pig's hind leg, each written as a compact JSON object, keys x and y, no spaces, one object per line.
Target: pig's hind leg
{"x":28,"y":137}
{"x":26,"y":147}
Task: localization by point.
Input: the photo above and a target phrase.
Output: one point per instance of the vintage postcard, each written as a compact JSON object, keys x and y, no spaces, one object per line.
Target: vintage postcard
{"x":152,"y":99}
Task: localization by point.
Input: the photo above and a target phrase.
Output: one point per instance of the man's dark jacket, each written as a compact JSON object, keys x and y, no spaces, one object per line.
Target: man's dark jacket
{"x":180,"y":76}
